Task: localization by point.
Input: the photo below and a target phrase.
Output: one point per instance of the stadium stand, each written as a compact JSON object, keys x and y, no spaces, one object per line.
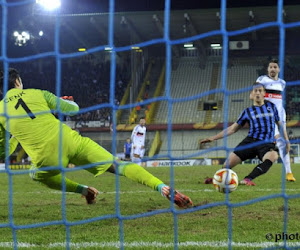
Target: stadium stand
{"x":188,"y":79}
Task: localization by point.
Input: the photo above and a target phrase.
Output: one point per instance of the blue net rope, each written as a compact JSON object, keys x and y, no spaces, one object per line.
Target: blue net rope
{"x":169,"y":43}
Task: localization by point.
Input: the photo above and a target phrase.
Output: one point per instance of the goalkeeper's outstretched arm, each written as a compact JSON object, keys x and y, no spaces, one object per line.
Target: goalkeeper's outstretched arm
{"x":66,"y":106}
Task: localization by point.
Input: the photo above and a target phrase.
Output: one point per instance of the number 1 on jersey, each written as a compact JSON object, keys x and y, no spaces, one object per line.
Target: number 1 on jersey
{"x":25,"y":107}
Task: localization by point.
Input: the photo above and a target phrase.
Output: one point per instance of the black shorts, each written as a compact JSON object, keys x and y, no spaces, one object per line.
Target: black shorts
{"x":127,"y":156}
{"x":252,"y":152}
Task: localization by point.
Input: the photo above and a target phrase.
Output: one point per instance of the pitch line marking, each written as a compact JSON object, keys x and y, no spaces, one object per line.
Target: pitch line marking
{"x":143,"y":244}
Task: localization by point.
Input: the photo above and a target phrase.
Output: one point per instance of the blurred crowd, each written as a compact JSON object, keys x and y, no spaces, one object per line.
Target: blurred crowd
{"x":83,"y":78}
{"x":292,"y":96}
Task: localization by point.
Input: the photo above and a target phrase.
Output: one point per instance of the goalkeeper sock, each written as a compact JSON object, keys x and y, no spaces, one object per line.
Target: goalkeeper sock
{"x":160,"y":187}
{"x":139,"y":174}
{"x":260,"y":169}
{"x":82,"y":189}
{"x":55,"y":182}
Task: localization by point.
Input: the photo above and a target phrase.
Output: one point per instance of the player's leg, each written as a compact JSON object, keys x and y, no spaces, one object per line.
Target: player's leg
{"x":136,"y":155}
{"x":140,"y":175}
{"x":241,"y":153}
{"x":53,"y":178}
{"x":91,"y":152}
{"x":231,"y":162}
{"x":285,"y":156}
{"x":268,"y":156}
{"x":236,"y":157}
{"x":127,"y":157}
{"x":143,"y":163}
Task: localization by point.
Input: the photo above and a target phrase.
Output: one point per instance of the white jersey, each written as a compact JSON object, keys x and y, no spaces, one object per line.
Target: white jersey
{"x":274,"y":90}
{"x":138,"y":136}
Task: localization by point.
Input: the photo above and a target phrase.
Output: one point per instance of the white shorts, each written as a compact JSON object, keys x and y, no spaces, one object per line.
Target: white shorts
{"x":282,"y":116}
{"x":277,"y":132}
{"x":138,"y":150}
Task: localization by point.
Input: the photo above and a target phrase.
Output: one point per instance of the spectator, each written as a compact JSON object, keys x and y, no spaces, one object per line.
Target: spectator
{"x":127,"y":149}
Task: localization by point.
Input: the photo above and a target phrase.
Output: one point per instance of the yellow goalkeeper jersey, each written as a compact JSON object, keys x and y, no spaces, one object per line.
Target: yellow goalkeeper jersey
{"x":29,"y":119}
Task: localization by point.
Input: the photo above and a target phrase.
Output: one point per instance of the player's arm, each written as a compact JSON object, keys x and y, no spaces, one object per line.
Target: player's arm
{"x":66,"y":106}
{"x":284,"y":134}
{"x":13,"y":143}
{"x":226,"y":132}
{"x":230,"y":130}
{"x":2,"y":143}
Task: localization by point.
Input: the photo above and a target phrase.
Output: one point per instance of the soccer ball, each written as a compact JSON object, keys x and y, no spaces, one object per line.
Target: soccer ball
{"x":225,"y":179}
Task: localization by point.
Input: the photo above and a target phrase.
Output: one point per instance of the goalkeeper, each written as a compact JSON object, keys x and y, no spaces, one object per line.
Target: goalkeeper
{"x":30,"y":121}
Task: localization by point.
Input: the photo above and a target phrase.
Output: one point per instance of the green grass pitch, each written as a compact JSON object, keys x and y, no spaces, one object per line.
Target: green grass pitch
{"x":201,"y":229}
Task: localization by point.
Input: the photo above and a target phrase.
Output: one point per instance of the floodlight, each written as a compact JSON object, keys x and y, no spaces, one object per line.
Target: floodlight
{"x":216,"y":46}
{"x":41,"y":33}
{"x":188,"y":45}
{"x":49,"y":4}
{"x":21,"y":38}
{"x":25,"y":35}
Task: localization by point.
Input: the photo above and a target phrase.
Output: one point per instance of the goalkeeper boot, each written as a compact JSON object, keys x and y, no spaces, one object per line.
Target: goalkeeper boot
{"x":180,"y":199}
{"x":91,"y":195}
{"x":290,"y":177}
{"x":247,"y":182}
{"x":208,"y":180}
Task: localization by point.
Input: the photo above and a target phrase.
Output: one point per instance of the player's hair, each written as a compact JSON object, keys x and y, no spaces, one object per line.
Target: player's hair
{"x":143,"y":117}
{"x":13,"y":75}
{"x":273,"y":60}
{"x":258,"y":84}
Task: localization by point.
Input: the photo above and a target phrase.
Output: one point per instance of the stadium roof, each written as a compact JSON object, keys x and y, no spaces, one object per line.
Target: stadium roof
{"x":91,"y":29}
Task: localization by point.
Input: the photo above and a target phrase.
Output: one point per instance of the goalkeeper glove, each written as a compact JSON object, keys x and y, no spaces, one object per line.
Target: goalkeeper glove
{"x":70,"y":98}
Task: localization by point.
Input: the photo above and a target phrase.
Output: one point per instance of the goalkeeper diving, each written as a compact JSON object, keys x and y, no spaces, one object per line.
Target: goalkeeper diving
{"x":26,"y":115}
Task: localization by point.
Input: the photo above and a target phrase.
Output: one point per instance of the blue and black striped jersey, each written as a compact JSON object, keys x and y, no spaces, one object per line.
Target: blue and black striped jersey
{"x":261,"y":119}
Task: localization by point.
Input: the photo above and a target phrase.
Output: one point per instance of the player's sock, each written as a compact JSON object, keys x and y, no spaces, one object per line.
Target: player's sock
{"x":160,"y":188}
{"x":285,"y":159}
{"x":259,"y":170}
{"x":139,"y":174}
{"x":82,"y":189}
{"x":55,"y":182}
{"x":137,"y":160}
{"x":281,"y":144}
